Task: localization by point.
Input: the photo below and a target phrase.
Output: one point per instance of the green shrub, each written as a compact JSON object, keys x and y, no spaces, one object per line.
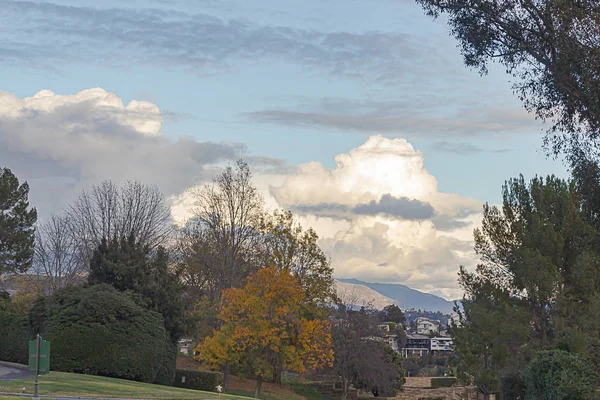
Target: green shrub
{"x":99,"y":331}
{"x":198,"y":380}
{"x":512,"y":386}
{"x":14,"y":338}
{"x":556,"y":374}
{"x":447,"y":381}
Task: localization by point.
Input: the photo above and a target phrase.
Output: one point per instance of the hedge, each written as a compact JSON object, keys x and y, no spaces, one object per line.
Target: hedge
{"x":14,"y":338}
{"x":99,"y":331}
{"x":443,"y":382}
{"x":198,"y":380}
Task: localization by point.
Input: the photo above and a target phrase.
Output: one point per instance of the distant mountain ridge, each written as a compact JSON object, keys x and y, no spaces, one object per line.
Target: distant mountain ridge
{"x":359,"y":295}
{"x":406,"y":297}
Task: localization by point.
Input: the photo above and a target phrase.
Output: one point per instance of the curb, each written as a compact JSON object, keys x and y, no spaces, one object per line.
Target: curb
{"x":13,"y":365}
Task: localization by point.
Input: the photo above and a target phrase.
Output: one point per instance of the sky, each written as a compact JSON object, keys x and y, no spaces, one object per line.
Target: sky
{"x":357,"y":115}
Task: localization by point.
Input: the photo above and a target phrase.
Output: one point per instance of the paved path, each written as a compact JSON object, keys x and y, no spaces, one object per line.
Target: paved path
{"x":11,"y":371}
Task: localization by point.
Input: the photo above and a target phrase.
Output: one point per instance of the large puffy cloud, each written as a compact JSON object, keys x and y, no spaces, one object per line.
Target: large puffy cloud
{"x":63,"y":143}
{"x":391,"y":222}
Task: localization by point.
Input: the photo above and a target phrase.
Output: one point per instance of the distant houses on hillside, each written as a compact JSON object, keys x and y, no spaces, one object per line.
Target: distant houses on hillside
{"x":422,"y":345}
{"x":426,"y":326}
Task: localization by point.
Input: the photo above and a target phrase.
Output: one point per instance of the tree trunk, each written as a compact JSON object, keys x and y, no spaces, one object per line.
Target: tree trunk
{"x":277,"y":376}
{"x":345,"y":387}
{"x":259,"y":380}
{"x":226,"y":376}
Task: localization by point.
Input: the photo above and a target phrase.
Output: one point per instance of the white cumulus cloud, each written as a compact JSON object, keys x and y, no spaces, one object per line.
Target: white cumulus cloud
{"x":61,"y":144}
{"x":381,"y":217}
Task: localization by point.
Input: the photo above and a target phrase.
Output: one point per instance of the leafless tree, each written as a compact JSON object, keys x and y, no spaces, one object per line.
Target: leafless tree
{"x":108,"y":210}
{"x":57,"y":256}
{"x":222,"y":244}
{"x":229,"y":213}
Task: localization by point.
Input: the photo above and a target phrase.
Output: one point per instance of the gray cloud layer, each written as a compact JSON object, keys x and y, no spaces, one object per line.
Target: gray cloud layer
{"x":418,"y":114}
{"x":388,"y":205}
{"x":201,"y":42}
{"x":402,"y":207}
{"x":463,"y":148}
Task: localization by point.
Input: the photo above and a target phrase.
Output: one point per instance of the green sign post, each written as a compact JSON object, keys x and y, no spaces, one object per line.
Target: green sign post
{"x":39,"y":360}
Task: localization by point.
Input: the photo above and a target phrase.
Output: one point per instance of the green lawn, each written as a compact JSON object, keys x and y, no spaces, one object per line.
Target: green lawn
{"x":308,"y":391}
{"x":64,"y":384}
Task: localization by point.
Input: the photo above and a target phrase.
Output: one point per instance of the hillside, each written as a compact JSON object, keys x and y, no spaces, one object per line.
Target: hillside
{"x":402,"y":295}
{"x":359,"y":295}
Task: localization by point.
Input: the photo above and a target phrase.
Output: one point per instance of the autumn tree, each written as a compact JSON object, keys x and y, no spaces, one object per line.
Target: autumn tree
{"x":551,"y":48}
{"x":27,"y":289}
{"x":17,"y":224}
{"x":263,"y":329}
{"x":287,"y":245}
{"x":220,"y":245}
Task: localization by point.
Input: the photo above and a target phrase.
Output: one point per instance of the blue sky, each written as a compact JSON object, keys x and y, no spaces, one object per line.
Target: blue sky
{"x":210,"y":102}
{"x":290,"y":82}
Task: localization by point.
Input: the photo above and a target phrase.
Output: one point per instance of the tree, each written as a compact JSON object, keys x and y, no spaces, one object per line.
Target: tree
{"x":225,"y":235}
{"x":130,"y":266}
{"x":550,"y":47}
{"x":491,"y":341}
{"x":392,"y":313}
{"x":379,"y":370}
{"x":57,"y":256}
{"x":108,"y":211}
{"x":289,"y":246}
{"x":560,"y":375}
{"x":17,"y":220}
{"x":537,"y":283}
{"x":360,"y":359}
{"x":263,"y":329}
{"x":28,"y":288}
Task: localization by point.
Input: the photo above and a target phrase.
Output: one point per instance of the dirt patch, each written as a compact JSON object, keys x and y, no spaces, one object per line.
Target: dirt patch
{"x":238,"y":383}
{"x":269,"y":389}
{"x":187,"y":363}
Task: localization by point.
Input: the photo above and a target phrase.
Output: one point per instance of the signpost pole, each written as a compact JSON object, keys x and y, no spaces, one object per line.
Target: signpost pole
{"x":37,"y":367}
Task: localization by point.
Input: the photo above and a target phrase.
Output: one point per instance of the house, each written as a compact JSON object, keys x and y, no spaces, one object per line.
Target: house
{"x":185,"y":346}
{"x":392,"y":341}
{"x":425,"y":326}
{"x":416,"y":344}
{"x":454,"y":319}
{"x":440,"y":344}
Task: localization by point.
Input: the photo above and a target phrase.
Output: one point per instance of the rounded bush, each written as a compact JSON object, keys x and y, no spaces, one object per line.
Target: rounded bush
{"x":559,"y":375}
{"x":100,"y":331}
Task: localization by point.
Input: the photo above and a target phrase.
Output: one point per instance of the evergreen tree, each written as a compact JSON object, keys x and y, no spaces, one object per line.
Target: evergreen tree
{"x":132,"y":267}
{"x":17,"y":231}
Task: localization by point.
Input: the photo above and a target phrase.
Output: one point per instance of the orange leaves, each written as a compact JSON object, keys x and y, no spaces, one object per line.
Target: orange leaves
{"x":263,"y":328}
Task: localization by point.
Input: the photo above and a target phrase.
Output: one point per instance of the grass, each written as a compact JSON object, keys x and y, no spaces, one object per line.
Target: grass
{"x":308,"y":391}
{"x":249,"y":393}
{"x":65,"y":384}
{"x":304,"y":388}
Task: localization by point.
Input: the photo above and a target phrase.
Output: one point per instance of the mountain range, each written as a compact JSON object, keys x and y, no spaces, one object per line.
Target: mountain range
{"x":383,"y":294}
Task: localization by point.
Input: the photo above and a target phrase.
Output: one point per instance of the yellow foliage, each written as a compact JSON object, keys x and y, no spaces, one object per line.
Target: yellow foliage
{"x":263,"y":328}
